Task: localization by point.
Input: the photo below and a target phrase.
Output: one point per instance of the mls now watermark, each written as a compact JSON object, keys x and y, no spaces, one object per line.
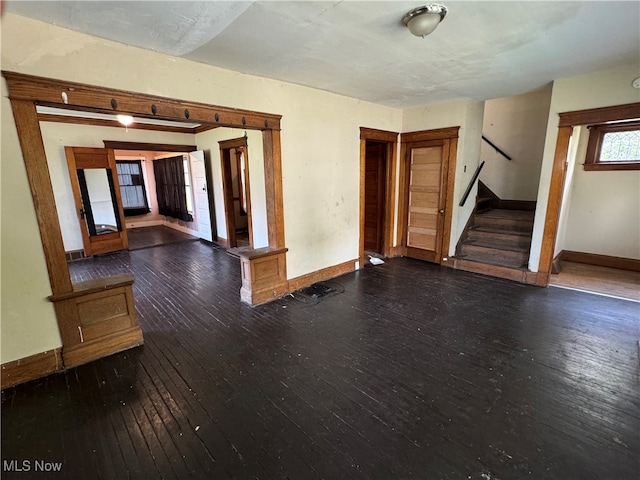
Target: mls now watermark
{"x":30,"y":466}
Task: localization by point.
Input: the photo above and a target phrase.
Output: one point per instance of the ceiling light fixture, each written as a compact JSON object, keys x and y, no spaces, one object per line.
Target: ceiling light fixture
{"x":125,"y":120}
{"x":422,"y":21}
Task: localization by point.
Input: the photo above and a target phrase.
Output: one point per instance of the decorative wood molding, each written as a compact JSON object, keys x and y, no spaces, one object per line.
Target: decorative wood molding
{"x":102,"y":122}
{"x":273,"y":187}
{"x":97,"y":318}
{"x":149,"y":147}
{"x":607,"y":166}
{"x":35,"y":159}
{"x":599,"y":115}
{"x":620,"y":263}
{"x":449,"y":203}
{"x":425,"y":135}
{"x":100,"y":99}
{"x":264,"y":275}
{"x":378,"y":135}
{"x":390,"y":138}
{"x":554,"y":203}
{"x":25,"y":91}
{"x":514,"y":274}
{"x":308,"y":279}
{"x":31,"y":368}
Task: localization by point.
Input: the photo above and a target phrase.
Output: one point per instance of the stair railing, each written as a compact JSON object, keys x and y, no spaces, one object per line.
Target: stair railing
{"x":473,"y":180}
{"x":496,"y":148}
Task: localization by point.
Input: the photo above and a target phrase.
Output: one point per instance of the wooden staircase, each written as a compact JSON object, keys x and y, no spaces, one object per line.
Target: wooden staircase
{"x":498,"y":237}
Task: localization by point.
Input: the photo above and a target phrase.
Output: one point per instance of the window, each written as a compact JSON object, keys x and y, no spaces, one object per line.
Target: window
{"x":132,"y":190}
{"x":613,"y":146}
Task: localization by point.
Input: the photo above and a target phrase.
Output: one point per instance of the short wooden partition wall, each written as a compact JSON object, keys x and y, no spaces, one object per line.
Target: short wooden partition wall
{"x":97,"y":318}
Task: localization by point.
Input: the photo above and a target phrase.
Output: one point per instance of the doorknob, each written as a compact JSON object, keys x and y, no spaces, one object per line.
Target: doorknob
{"x":442,"y":212}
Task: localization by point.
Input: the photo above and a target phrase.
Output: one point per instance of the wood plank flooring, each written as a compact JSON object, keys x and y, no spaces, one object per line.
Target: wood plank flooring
{"x":604,"y":280}
{"x":154,"y":236}
{"x":412,"y":371}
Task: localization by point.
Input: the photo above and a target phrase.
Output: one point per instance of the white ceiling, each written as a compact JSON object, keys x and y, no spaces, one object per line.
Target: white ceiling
{"x":482,"y":49}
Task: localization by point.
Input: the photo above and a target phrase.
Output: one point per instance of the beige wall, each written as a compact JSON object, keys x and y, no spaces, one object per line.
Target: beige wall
{"x":517,"y":125}
{"x":320,"y":158}
{"x":598,"y":89}
{"x":467,"y":114}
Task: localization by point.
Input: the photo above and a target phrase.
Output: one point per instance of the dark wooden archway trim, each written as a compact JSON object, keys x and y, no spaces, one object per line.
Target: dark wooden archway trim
{"x":566,"y":122}
{"x":25,"y":93}
{"x":149,"y":147}
{"x":391,"y":141}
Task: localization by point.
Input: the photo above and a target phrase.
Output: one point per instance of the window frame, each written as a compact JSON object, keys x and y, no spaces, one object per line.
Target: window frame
{"x":594,"y":146}
{"x":135,"y":211}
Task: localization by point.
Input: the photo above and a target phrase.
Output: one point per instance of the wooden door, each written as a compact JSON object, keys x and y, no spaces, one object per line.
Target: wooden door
{"x":96,"y":192}
{"x":426,"y":198}
{"x":374,"y":195}
{"x":201,"y":194}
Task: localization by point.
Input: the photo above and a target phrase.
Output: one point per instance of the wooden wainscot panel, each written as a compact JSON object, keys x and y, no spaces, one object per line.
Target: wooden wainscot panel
{"x":97,"y":319}
{"x":264,"y":275}
{"x":31,"y":368}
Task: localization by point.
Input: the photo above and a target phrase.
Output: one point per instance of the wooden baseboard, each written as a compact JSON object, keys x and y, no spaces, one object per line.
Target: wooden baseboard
{"x":107,"y":345}
{"x":223,"y":242}
{"x":31,"y":368}
{"x":630,"y":264}
{"x":320,"y":275}
{"x":514,"y":274}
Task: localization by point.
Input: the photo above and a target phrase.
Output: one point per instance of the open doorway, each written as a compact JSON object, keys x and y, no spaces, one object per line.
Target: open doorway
{"x":234,"y":163}
{"x":374,"y":197}
{"x":377,"y":192}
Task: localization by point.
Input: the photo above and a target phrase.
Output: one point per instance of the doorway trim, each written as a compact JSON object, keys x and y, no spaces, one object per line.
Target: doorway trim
{"x":28,"y":91}
{"x":391,"y":141}
{"x":449,"y":134}
{"x":227,"y":188}
{"x":566,"y":122}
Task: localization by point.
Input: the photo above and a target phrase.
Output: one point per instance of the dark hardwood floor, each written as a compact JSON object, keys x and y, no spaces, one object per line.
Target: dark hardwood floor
{"x":410,"y":371}
{"x":154,"y":236}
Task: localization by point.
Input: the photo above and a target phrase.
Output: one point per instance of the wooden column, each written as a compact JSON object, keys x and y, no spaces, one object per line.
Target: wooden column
{"x":97,"y":318}
{"x":552,"y":217}
{"x":273,"y":187}
{"x":26,"y":119}
{"x":264,"y":275}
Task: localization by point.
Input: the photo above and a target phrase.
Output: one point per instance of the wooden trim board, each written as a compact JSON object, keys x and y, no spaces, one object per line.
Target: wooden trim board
{"x":599,"y":115}
{"x":620,"y":263}
{"x":31,"y":367}
{"x":308,"y":279}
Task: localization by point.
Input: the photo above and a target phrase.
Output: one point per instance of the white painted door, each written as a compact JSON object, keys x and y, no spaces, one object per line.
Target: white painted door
{"x":201,"y":197}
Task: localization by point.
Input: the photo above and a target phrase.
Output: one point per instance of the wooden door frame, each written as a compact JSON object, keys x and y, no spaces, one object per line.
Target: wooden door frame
{"x":28,"y":91}
{"x":227,"y":188}
{"x":111,"y":238}
{"x":450,"y":136}
{"x":391,"y":141}
{"x":566,"y":123}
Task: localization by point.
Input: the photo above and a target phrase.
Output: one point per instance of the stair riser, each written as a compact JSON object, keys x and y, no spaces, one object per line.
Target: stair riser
{"x":518,"y":241}
{"x":517,"y":258}
{"x":506,"y":224}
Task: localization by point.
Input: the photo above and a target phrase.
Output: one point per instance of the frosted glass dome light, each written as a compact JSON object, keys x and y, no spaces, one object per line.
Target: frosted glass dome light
{"x":422,"y":21}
